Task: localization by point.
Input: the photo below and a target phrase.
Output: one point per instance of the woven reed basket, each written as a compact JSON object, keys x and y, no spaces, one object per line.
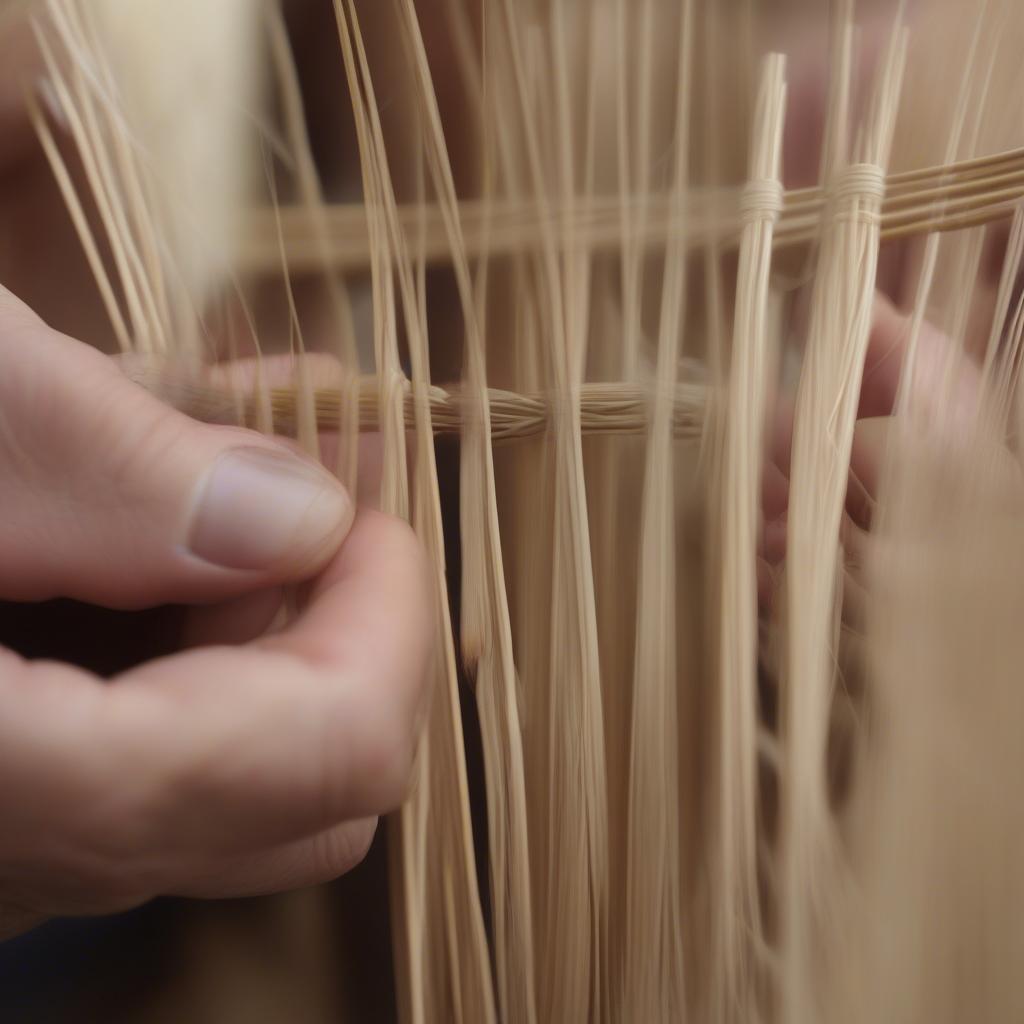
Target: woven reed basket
{"x":597,"y":277}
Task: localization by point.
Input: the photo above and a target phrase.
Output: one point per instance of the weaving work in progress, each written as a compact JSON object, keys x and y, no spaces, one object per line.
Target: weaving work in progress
{"x":686,"y":335}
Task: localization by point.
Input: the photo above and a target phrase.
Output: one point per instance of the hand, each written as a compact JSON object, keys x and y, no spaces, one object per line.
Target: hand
{"x":255,"y":764}
{"x":883,"y":367}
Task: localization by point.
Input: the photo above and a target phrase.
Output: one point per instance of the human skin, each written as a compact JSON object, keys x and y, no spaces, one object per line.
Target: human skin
{"x":256,"y":762}
{"x":258,"y":757}
{"x":252,"y":761}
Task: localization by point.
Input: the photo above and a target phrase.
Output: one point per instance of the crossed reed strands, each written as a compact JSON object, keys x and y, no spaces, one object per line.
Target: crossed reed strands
{"x":939,"y":199}
{"x":936,"y":199}
{"x":944,"y":198}
{"x":606,"y":940}
{"x":609,"y":408}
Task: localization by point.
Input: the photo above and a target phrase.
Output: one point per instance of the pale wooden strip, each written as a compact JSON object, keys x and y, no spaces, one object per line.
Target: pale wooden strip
{"x":912,"y":208}
{"x":81,"y":222}
{"x":736,"y":927}
{"x":407,"y":829}
{"x":312,"y":206}
{"x":454,"y":939}
{"x":486,"y":625}
{"x":654,"y":977}
{"x":572,"y":939}
{"x":823,"y":433}
{"x":608,"y":408}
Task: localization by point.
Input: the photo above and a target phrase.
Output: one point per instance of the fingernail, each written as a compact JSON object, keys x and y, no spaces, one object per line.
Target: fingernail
{"x":261,"y":509}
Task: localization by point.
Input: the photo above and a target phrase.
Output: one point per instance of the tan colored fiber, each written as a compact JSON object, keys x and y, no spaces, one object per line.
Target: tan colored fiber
{"x":311,"y":196}
{"x":826,"y":410}
{"x":977,"y":191}
{"x":654,"y":978}
{"x":456,"y":960}
{"x":660,"y":780}
{"x":486,"y":628}
{"x":611,"y":409}
{"x":737,"y":923}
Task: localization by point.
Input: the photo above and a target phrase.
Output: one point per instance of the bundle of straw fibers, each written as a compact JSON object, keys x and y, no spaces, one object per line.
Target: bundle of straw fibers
{"x":690,"y":334}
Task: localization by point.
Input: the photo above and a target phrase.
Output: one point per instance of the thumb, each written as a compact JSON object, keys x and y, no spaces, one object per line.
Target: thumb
{"x":108,"y":496}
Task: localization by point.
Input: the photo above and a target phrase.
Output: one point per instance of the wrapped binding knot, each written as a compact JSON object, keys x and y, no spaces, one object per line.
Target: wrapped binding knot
{"x":859,"y":191}
{"x":761,"y":200}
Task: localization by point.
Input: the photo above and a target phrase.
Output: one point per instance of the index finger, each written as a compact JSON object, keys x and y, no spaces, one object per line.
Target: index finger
{"x":224,"y":750}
